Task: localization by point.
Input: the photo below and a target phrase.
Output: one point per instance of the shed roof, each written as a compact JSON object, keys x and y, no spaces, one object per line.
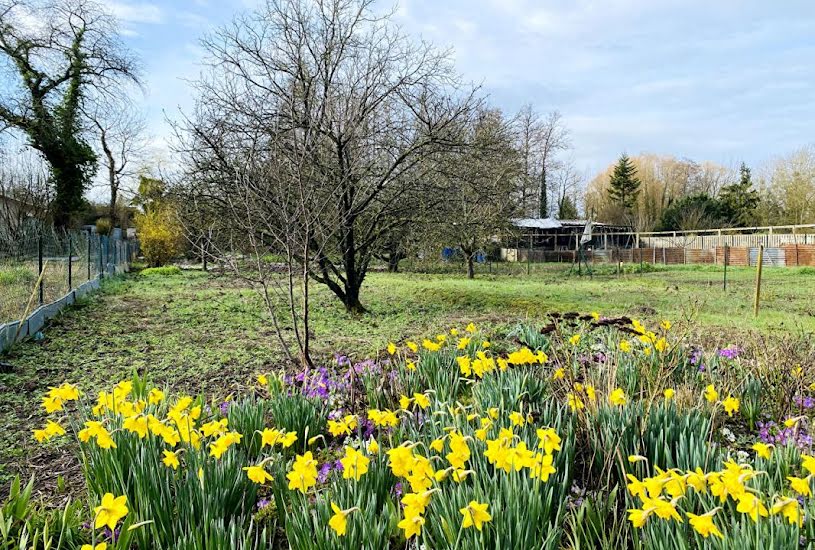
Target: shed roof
{"x":551,"y":223}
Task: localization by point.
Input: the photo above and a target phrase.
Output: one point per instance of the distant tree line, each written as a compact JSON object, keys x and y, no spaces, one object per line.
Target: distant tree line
{"x":663,"y":193}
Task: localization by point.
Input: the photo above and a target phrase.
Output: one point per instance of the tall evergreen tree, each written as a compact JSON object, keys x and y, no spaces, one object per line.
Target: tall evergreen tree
{"x":543,"y":204}
{"x":624,"y":186}
{"x":739,"y":200}
{"x":567,"y":209}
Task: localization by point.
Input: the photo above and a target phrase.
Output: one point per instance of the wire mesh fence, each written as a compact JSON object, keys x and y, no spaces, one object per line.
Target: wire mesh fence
{"x":42,"y":264}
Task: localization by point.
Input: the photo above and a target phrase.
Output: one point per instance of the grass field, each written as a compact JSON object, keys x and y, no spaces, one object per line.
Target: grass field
{"x":200,"y":331}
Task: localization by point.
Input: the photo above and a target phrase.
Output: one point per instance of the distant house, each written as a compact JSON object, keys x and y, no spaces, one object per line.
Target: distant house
{"x":13,"y":214}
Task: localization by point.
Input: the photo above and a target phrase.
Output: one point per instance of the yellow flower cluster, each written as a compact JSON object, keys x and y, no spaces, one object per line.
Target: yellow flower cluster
{"x":180,"y":424}
{"x":575,"y":399}
{"x":303,"y":474}
{"x":661,"y":494}
{"x":730,"y":404}
{"x":343,"y":426}
{"x":56,"y":398}
{"x":484,"y":363}
{"x":650,"y":339}
{"x":383,"y":419}
{"x":421,"y":400}
{"x":503,"y":452}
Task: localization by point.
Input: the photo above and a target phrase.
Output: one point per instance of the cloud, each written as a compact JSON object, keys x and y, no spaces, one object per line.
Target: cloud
{"x":141,"y":12}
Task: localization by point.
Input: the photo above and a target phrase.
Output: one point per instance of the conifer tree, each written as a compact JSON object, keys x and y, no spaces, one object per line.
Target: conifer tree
{"x":567,"y":209}
{"x":624,"y":186}
{"x":739,"y":200}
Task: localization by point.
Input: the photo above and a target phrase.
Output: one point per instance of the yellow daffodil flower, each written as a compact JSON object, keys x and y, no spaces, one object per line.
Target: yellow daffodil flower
{"x":257,"y":474}
{"x":617,"y":397}
{"x":171,"y":459}
{"x":703,"y":524}
{"x":475,"y":514}
{"x":110,"y":511}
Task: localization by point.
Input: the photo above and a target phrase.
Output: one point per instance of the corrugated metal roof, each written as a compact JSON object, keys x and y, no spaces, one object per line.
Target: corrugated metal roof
{"x":538,"y":223}
{"x":551,"y":223}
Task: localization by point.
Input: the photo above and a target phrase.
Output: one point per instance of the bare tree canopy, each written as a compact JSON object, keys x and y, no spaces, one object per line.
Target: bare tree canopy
{"x":317,"y":118}
{"x":56,"y":56}
{"x":119,"y":131}
{"x":24,"y":194}
{"x":539,"y":140}
{"x":478,"y":187}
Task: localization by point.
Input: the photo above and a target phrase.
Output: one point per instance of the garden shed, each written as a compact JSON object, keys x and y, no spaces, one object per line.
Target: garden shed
{"x":535,"y":236}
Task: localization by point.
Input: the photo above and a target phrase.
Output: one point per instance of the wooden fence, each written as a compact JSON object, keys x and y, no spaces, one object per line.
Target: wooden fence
{"x":789,"y":255}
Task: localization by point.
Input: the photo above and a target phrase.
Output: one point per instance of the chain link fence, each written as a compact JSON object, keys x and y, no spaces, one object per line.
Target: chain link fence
{"x":41,"y":265}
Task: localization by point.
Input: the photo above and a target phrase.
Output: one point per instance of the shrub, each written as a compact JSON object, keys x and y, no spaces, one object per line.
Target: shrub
{"x":159,"y":235}
{"x":104,"y":226}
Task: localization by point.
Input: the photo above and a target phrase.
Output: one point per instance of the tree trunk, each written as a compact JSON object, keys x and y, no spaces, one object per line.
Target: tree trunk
{"x":69,"y":185}
{"x":351,"y":300}
{"x":470,"y":266}
{"x":393,"y":263}
{"x":112,"y":214}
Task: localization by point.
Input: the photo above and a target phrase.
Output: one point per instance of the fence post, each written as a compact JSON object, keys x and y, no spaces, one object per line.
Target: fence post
{"x":101,"y":256}
{"x":758,"y":279}
{"x":528,"y":253}
{"x":726,"y":251}
{"x":70,"y":265}
{"x":39,"y":260}
{"x":89,"y":255}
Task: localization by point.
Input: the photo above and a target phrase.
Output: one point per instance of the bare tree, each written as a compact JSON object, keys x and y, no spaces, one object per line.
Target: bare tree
{"x":341,"y":110}
{"x":539,"y":142}
{"x":58,"y":56}
{"x":478,"y":188}
{"x":554,"y":138}
{"x":528,"y":133}
{"x":24,"y":194}
{"x":244,"y":204}
{"x":566,"y":185}
{"x":119,"y":129}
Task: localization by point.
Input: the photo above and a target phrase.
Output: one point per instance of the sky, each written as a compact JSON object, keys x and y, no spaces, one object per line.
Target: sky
{"x":719,"y":80}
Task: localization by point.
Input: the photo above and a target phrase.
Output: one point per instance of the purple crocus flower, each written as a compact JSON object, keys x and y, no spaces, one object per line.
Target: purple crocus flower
{"x":805,"y":402}
{"x":322,"y":473}
{"x":771,"y":432}
{"x":113,"y":536}
{"x":696,"y":359}
{"x":730,"y":353}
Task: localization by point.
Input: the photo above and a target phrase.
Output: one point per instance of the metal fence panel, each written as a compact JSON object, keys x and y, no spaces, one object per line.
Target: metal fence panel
{"x":41,"y":265}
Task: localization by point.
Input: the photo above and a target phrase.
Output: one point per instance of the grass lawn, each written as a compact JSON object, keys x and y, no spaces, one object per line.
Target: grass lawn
{"x":198,"y":331}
